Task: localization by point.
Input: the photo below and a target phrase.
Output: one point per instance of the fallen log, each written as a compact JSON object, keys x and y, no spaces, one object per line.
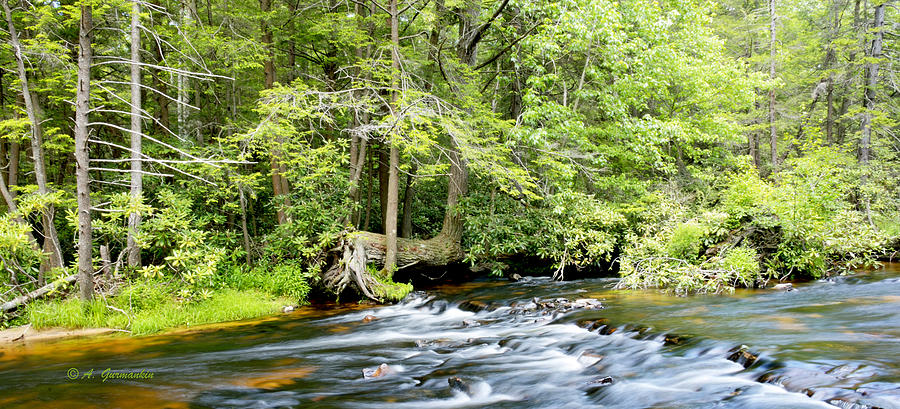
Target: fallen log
{"x":40,"y":292}
{"x":357,"y":250}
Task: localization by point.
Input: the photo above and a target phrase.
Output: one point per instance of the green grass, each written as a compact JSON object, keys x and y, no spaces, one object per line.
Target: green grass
{"x":147,"y":318}
{"x":287,"y":279}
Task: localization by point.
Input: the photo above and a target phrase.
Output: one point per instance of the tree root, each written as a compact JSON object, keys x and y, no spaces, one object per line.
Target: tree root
{"x":356,"y":250}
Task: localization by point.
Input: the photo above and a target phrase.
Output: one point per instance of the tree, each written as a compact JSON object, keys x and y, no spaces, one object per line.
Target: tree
{"x":773,"y":134}
{"x":35,"y":113}
{"x":136,"y":135}
{"x":279,"y":182}
{"x":873,"y":55}
{"x":393,"y":188}
{"x":82,"y":158}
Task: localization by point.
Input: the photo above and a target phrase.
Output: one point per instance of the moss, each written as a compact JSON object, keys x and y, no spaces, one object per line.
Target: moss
{"x":388,"y":290}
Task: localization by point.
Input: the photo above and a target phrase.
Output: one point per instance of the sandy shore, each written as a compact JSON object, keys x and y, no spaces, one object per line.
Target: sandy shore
{"x":25,"y":334}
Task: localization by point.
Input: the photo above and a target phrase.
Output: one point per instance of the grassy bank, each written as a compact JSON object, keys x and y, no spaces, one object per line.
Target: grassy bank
{"x":142,"y":311}
{"x":155,"y":299}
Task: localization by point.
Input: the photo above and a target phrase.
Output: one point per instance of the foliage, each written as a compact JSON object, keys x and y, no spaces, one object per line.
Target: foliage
{"x":569,"y":228}
{"x":685,"y":241}
{"x":805,"y":225}
{"x":181,"y":246}
{"x":590,"y":130}
{"x":824,"y":232}
{"x":18,"y":256}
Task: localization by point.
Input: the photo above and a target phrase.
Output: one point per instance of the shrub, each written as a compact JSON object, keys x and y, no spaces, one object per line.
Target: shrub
{"x":811,"y":206}
{"x":741,"y":265}
{"x":686,"y":241}
{"x":287,"y":279}
{"x":569,"y":228}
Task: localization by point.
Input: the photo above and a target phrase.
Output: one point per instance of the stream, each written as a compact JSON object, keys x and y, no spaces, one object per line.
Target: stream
{"x":831,"y":343}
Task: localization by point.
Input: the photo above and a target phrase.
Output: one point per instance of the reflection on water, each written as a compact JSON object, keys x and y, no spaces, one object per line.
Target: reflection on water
{"x":829,"y":343}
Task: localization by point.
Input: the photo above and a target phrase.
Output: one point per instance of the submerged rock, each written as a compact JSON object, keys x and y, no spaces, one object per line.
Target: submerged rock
{"x":556,"y":305}
{"x":381,"y":370}
{"x":369,"y":318}
{"x":590,"y":358}
{"x":442,"y":343}
{"x":586,"y":303}
{"x":606,"y":380}
{"x":458,"y":384}
{"x":784,"y":287}
{"x":593,"y":325}
{"x":672,"y":339}
{"x":742,"y":355}
{"x":473,"y":306}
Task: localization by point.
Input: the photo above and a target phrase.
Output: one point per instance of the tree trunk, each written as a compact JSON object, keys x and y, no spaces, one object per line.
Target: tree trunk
{"x":384,"y":174}
{"x":82,"y":186}
{"x":753,"y":137}
{"x":4,"y":148}
{"x":182,"y":84}
{"x":437,"y":251}
{"x":457,"y":187}
{"x":390,"y":225}
{"x":753,"y":143}
{"x":773,"y":135}
{"x":871,"y":81}
{"x":829,"y":113}
{"x":35,"y":113}
{"x":159,"y":85}
{"x":134,"y":219}
{"x":280,"y":187}
{"x":408,"y":196}
{"x":359,"y":144}
{"x":246,"y":235}
{"x":13,"y":173}
{"x":105,"y":260}
{"x":269,"y":65}
{"x":369,"y":188}
{"x":358,"y":155}
{"x":359,"y":249}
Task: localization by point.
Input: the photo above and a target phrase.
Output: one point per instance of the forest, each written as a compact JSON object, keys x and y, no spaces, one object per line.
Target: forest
{"x":167,"y":163}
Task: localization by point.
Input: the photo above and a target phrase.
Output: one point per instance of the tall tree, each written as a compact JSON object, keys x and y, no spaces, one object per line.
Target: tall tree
{"x":134,"y":219}
{"x":871,"y":81}
{"x":82,"y":160}
{"x":390,"y":224}
{"x":280,"y":186}
{"x":773,"y":134}
{"x":35,"y":114}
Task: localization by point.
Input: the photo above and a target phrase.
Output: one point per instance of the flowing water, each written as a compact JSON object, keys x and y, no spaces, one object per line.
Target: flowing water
{"x":830,"y":343}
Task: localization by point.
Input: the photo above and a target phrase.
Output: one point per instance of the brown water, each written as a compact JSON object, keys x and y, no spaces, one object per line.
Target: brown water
{"x":830,"y":343}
